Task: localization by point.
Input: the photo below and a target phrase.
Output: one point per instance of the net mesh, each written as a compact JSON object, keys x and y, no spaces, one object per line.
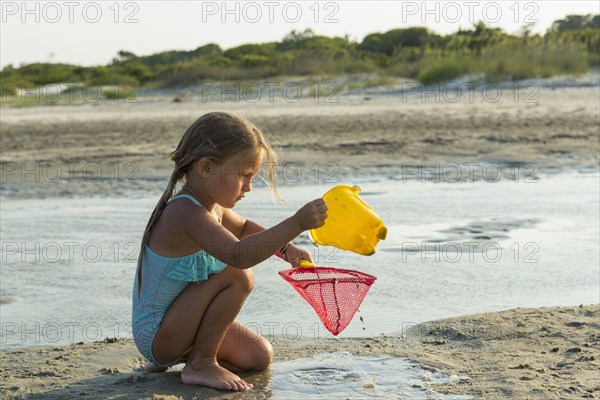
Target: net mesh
{"x":335,"y":294}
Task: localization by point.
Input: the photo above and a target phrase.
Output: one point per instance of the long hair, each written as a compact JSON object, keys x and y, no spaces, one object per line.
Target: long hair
{"x":217,"y":136}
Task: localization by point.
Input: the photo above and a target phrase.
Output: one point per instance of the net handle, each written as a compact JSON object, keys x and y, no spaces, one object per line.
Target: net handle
{"x":303,"y":263}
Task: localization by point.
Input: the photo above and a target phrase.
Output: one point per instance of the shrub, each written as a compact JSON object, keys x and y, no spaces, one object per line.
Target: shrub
{"x":442,"y":71}
{"x":119,"y":93}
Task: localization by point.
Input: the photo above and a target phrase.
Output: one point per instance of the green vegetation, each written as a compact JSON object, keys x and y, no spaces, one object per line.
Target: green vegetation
{"x":120,"y":93}
{"x":570,"y":46}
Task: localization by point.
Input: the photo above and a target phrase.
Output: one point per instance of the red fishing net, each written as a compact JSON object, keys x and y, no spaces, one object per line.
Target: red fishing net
{"x":334,"y":293}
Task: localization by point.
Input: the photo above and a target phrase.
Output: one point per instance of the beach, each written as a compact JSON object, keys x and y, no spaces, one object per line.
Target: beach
{"x":106,"y":148}
{"x":106,"y":163}
{"x":544,"y":353}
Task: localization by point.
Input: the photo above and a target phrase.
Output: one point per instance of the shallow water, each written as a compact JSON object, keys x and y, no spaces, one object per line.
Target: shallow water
{"x":452,"y":249}
{"x":348,"y":376}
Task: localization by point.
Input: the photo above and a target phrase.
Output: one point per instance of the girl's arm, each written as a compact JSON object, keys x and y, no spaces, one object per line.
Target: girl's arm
{"x":252,"y":248}
{"x":242,"y":227}
{"x":239,"y":225}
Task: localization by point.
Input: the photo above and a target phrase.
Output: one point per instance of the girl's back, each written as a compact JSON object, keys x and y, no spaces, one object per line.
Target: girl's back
{"x":168,"y":237}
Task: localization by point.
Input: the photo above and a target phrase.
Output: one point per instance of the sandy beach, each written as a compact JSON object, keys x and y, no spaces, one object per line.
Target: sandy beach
{"x":107,"y":148}
{"x":111,"y":149}
{"x":545,"y":353}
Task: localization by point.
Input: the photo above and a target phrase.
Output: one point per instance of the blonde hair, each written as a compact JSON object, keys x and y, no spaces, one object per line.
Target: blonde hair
{"x":217,"y":136}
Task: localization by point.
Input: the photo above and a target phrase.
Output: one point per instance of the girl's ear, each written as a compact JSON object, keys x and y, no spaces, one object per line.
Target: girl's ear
{"x":205,"y":167}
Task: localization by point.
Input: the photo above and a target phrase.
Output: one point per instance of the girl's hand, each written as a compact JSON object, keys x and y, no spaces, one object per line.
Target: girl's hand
{"x":312,"y":215}
{"x":293,"y":255}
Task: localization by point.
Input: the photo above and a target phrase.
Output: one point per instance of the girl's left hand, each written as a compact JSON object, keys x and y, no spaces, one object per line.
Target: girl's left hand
{"x":293,"y":255}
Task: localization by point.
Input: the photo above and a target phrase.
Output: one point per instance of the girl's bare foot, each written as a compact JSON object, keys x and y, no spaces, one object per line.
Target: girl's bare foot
{"x":210,"y":373}
{"x":151,"y":367}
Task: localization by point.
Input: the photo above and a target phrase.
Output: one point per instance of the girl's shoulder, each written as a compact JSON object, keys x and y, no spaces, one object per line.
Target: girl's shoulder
{"x":183,"y":196}
{"x":173,"y":235}
{"x":185,"y":207}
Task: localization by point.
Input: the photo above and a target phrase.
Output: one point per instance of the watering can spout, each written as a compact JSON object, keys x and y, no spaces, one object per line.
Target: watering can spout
{"x":351,"y":224}
{"x":382,"y":233}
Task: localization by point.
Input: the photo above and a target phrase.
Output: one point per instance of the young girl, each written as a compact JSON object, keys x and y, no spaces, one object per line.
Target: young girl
{"x":193,"y":272}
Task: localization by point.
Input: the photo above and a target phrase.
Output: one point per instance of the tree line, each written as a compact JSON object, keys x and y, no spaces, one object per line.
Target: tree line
{"x":570,"y":46}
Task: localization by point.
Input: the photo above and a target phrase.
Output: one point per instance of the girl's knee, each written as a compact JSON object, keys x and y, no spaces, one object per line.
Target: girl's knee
{"x":263,"y":355}
{"x":244,"y":279}
{"x":267,"y":356}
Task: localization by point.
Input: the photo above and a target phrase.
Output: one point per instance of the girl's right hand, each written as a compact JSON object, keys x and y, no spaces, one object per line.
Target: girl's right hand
{"x":312,"y":215}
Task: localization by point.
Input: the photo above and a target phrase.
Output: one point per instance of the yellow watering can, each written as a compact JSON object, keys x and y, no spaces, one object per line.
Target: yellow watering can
{"x":351,"y":223}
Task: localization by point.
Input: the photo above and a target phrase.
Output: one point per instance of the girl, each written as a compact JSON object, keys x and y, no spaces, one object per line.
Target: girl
{"x":193,"y":273}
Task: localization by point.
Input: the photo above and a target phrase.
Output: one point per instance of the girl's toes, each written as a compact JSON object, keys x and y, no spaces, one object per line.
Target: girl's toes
{"x":228,"y":386}
{"x":240,"y":385}
{"x":246,"y":385}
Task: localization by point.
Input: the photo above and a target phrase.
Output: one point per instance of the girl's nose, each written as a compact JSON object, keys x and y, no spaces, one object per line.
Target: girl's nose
{"x":247,"y":186}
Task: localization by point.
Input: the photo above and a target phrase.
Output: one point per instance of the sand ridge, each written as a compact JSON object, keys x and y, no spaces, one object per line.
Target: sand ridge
{"x":111,"y":148}
{"x":543,"y":353}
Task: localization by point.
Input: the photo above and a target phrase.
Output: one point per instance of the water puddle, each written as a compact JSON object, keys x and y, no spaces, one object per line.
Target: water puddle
{"x":349,"y":376}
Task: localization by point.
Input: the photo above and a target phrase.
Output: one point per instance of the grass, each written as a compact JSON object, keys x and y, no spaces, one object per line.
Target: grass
{"x":506,"y":63}
{"x":119,"y":93}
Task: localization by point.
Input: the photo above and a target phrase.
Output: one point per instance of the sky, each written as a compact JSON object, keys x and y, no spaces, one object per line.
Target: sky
{"x":92,"y":32}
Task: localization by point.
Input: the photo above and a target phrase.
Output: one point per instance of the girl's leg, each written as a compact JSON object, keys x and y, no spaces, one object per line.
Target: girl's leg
{"x":243,"y":349}
{"x":199,"y":319}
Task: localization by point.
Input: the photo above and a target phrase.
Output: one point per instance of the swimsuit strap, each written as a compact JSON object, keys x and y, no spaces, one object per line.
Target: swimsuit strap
{"x":196,"y":202}
{"x":187,"y":196}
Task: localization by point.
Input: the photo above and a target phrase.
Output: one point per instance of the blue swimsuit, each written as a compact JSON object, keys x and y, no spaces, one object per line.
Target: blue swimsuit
{"x":163,"y":279}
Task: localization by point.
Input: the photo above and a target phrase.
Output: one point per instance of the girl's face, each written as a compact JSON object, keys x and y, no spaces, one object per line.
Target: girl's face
{"x":230,"y":181}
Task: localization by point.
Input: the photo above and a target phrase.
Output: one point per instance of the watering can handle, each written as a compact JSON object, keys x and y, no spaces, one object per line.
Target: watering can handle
{"x":303,"y":263}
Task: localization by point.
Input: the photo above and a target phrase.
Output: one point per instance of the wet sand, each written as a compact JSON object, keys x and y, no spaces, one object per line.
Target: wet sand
{"x":110,"y":148}
{"x":544,"y":353}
